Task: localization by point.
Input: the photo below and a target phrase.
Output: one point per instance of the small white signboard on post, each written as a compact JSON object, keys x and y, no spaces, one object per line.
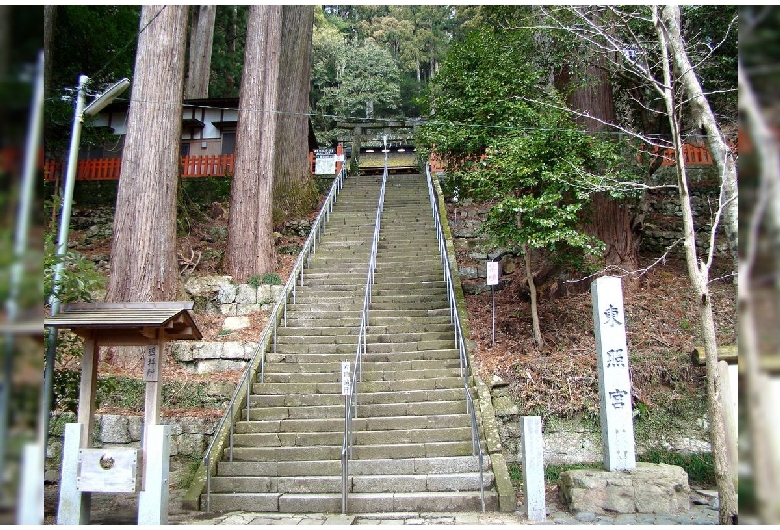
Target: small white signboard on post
{"x":346,"y":387}
{"x":492,"y":280}
{"x":492,"y":273}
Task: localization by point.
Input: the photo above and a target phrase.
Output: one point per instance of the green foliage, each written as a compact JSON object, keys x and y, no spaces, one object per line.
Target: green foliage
{"x":506,"y":140}
{"x":714,"y":51}
{"x":515,"y":474}
{"x":271,"y":278}
{"x":699,"y":466}
{"x":121,"y":392}
{"x":369,"y":77}
{"x":399,"y":48}
{"x":65,"y":390}
{"x":227,"y":57}
{"x":105,"y":37}
{"x":79,"y":277}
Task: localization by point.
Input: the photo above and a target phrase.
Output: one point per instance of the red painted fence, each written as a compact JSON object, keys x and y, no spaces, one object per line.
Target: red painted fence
{"x":108,"y":168}
{"x":223,"y":165}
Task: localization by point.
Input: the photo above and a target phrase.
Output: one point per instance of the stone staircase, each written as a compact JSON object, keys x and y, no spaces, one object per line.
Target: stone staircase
{"x":412,"y":434}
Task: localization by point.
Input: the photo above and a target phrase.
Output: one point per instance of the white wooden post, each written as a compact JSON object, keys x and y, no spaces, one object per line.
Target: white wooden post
{"x":74,"y":506}
{"x":533,"y":468}
{"x":153,"y":500}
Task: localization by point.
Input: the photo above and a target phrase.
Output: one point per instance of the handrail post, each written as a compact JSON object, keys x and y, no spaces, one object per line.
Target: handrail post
{"x":248,"y":393}
{"x":208,"y":481}
{"x":231,"y":432}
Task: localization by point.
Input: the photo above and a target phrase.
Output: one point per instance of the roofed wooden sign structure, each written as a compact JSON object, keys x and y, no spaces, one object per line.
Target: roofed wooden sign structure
{"x":128,"y":323}
{"x":148,"y":324}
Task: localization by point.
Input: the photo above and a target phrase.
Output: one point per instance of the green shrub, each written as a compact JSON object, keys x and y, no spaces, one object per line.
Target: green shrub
{"x":271,"y":278}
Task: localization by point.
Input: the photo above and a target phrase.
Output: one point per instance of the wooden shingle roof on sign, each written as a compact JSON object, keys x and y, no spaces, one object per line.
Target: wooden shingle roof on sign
{"x":124,"y":321}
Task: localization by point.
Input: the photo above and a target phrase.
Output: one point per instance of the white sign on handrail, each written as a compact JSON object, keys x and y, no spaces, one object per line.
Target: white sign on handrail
{"x":346,"y":387}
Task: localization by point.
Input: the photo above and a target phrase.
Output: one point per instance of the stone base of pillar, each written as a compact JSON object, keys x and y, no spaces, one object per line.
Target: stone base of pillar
{"x":650,"y":488}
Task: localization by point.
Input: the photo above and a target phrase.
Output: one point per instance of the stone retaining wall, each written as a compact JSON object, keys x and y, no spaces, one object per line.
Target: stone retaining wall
{"x":572,"y":442}
{"x":208,"y":357}
{"x":220,"y":295}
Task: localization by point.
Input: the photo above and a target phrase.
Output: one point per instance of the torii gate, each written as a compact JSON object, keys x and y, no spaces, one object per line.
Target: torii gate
{"x":120,"y":470}
{"x":359,"y":129}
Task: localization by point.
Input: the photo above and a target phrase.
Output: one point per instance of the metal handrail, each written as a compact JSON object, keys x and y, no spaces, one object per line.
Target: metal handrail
{"x":460,"y":340}
{"x":351,"y":403}
{"x":278,"y":312}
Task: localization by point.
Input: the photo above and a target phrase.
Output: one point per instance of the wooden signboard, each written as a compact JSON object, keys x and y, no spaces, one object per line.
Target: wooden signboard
{"x":110,"y":470}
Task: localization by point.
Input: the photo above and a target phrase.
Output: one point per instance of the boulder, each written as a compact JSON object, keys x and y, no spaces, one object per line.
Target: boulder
{"x":650,"y":488}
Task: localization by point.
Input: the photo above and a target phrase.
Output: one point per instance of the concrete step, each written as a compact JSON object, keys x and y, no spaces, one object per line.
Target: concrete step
{"x":361,"y":438}
{"x":412,"y":433}
{"x":389,"y":423}
{"x":293,"y":336}
{"x":387,"y":466}
{"x":368,"y":377}
{"x":336,"y":410}
{"x":358,"y":502}
{"x":348,"y":355}
{"x":359,"y":452}
{"x":293,"y":373}
{"x":403,"y":390}
{"x":415,"y":369}
{"x":357,"y":484}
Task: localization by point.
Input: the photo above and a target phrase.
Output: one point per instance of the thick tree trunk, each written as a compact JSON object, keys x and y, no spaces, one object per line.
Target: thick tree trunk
{"x":201,"y":41}
{"x":250,"y":249}
{"x":699,"y":276}
{"x":613,"y":224}
{"x":294,"y":191}
{"x":611,"y":220}
{"x":143,"y":256}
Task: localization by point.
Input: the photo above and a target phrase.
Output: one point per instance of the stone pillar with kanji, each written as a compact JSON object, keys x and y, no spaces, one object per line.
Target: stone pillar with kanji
{"x":617,"y":427}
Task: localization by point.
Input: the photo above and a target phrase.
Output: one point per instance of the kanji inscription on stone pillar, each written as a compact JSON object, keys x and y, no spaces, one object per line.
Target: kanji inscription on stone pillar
{"x":617,"y":427}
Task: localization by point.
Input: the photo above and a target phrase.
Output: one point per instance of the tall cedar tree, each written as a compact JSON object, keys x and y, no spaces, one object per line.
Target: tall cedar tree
{"x":201,"y":42}
{"x":143,"y":255}
{"x":294,"y":191}
{"x":611,"y":219}
{"x":250,"y":249}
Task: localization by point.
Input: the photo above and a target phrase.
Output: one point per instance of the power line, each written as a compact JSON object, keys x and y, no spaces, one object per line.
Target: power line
{"x":129,"y":42}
